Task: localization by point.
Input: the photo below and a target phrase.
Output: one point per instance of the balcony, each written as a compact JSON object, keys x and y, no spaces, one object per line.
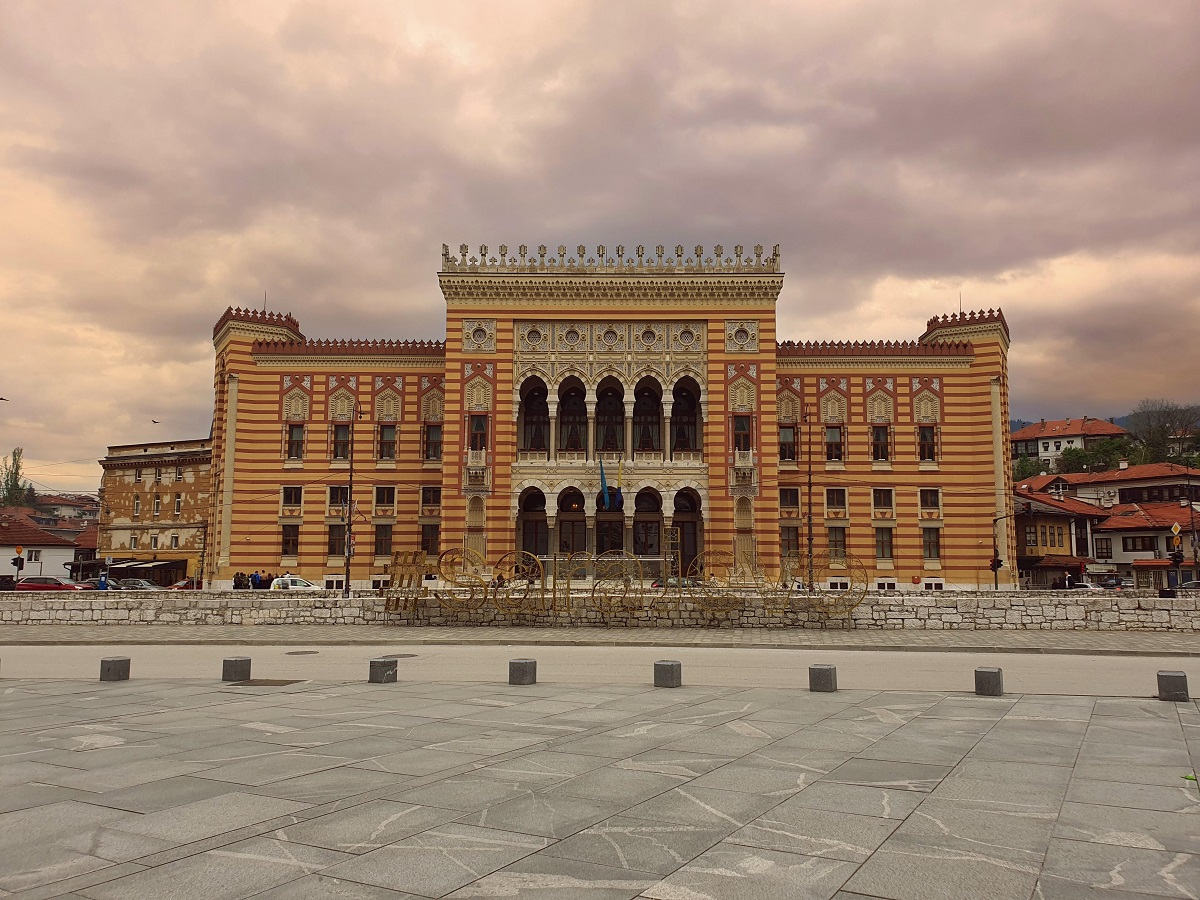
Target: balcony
{"x":743,"y":459}
{"x":476,"y":458}
{"x":478,"y":476}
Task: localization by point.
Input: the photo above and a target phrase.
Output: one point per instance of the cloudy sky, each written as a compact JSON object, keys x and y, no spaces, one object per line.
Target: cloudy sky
{"x":162,"y":161}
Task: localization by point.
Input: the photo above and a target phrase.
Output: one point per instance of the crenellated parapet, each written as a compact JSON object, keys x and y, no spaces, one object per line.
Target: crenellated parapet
{"x":873,"y":348}
{"x":638,"y":262}
{"x":349,"y":348}
{"x":966,"y":324}
{"x":258,"y":320}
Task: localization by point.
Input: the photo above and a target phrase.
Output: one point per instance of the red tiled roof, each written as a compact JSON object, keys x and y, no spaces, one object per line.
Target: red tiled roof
{"x":1146,"y":516}
{"x":14,"y":532}
{"x":1037,"y":483}
{"x":1134,"y":473}
{"x":1058,"y":428}
{"x":89,"y":538}
{"x":1066,"y":505}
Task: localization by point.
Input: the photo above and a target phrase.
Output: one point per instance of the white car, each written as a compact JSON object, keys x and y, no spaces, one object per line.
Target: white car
{"x":294,"y":583}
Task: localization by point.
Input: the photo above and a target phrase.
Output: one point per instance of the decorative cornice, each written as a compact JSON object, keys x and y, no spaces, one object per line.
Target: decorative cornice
{"x":961,"y":324}
{"x":266,"y":321}
{"x":658,"y":263}
{"x":872,"y":363}
{"x":358,"y":352}
{"x":639,"y":291}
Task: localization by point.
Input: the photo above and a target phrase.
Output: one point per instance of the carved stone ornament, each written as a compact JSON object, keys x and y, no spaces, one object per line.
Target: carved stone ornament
{"x":479,"y":334}
{"x":741,"y":336}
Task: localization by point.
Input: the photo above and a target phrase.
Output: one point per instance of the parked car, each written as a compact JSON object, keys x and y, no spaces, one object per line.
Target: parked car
{"x":114,"y":584}
{"x":1085,"y":586}
{"x":50,"y":583}
{"x":187,"y":584}
{"x":294,"y":583}
{"x":1190,"y":586}
{"x":675,"y":582}
{"x":1118,"y":584}
{"x":140,"y":584}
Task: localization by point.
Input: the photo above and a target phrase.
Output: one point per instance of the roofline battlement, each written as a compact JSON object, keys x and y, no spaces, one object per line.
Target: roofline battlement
{"x":965,"y":320}
{"x":349,"y":348}
{"x":257,"y":317}
{"x":874,"y":348}
{"x":657,"y":263}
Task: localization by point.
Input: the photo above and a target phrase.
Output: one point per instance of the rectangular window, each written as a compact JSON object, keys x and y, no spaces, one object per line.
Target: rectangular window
{"x":881,"y":443}
{"x":154,"y":542}
{"x":882,"y":498}
{"x":295,"y":442}
{"x":479,"y":432}
{"x":789,"y":541}
{"x":787,"y":443}
{"x":883,"y":543}
{"x":293,"y":494}
{"x":931,"y":543}
{"x":158,"y":474}
{"x":385,"y":496}
{"x":337,"y":540}
{"x":741,"y":432}
{"x":133,"y":542}
{"x":179,"y":504}
{"x":339,"y":494}
{"x":387,"y":442}
{"x":179,"y":473}
{"x":341,"y":441}
{"x":137,"y":476}
{"x":137,"y":506}
{"x":1061,"y":537}
{"x":157,"y":504}
{"x":837,"y":543}
{"x":789,"y":498}
{"x":927,"y":443}
{"x":931,"y":498}
{"x":174,"y":542}
{"x":833,"y":443}
{"x":431,"y":496}
{"x":33,"y":555}
{"x":429,"y":539}
{"x":289,"y":540}
{"x":1142,"y":544}
{"x":835,"y":498}
{"x":1030,"y":535}
{"x":383,"y":540}
{"x":1045,"y":541}
{"x":433,"y":442}
{"x":1103,"y":548}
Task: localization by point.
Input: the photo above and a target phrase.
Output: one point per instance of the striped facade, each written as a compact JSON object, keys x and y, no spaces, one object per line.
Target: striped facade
{"x":662,"y":371}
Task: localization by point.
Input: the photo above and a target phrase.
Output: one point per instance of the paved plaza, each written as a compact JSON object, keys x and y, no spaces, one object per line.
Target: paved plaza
{"x":187,"y":787}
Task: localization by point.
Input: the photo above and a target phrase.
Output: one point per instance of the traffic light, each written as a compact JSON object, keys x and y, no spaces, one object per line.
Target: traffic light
{"x":996,"y":564}
{"x":18,"y":562}
{"x":1177,"y":558}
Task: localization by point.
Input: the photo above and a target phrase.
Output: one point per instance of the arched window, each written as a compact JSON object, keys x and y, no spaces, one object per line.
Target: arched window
{"x":572,"y":432}
{"x":647,"y":420}
{"x":535,"y":416}
{"x":684,"y":420}
{"x":610,"y":420}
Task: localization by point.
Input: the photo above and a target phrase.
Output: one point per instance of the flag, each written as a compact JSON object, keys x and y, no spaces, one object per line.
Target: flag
{"x":603,"y":485}
{"x":619,"y":499}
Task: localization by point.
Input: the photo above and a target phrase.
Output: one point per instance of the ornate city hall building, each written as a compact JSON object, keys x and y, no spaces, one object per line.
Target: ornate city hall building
{"x":586,"y":403}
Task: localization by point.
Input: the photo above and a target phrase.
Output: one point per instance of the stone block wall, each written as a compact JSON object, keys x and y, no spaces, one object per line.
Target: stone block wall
{"x":1005,"y":610}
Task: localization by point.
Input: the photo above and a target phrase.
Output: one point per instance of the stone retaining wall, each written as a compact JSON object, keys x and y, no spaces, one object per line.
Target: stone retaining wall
{"x":1007,"y":610}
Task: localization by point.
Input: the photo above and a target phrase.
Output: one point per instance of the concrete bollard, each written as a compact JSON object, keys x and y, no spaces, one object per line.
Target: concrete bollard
{"x":668,"y":673}
{"x":822,"y":678}
{"x":989,"y":682}
{"x":383,"y":671}
{"x":522,"y":671}
{"x":235,"y":668}
{"x":1173,"y":686}
{"x":114,"y":668}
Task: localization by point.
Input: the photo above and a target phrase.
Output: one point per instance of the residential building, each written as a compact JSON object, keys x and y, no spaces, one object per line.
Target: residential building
{"x":1045,"y":441}
{"x":154,"y":510}
{"x":43,"y":553}
{"x":1054,"y":538}
{"x":638,"y":403}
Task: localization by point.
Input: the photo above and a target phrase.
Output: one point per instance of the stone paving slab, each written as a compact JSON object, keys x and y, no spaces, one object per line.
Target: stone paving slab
{"x":479,"y":789}
{"x":1117,"y":643}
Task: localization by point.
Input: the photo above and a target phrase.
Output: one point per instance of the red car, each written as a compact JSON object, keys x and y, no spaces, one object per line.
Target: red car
{"x":188,"y":584}
{"x":50,"y":583}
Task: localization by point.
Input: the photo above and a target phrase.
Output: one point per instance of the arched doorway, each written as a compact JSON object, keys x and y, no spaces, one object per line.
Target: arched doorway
{"x":687,"y":519}
{"x":647,"y":523}
{"x":610,"y":521}
{"x":532,"y":533}
{"x":572,"y":523}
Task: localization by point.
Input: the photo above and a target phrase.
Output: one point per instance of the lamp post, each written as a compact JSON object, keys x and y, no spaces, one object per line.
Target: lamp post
{"x":349,"y":507}
{"x":996,"y":550}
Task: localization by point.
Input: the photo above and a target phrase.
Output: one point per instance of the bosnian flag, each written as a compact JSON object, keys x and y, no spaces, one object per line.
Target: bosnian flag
{"x":603,"y":485}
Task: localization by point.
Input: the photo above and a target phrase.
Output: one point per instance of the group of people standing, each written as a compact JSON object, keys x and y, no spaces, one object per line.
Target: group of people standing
{"x":258,"y":581}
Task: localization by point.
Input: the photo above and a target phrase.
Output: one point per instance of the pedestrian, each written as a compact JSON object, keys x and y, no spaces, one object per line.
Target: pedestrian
{"x":256,"y":580}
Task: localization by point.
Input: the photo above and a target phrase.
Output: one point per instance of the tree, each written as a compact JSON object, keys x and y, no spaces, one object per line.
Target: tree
{"x":1026,"y":467}
{"x":12,"y":486}
{"x":1073,"y":460}
{"x":1161,"y":427}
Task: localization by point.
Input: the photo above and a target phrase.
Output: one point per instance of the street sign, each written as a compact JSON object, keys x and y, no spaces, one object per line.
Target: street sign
{"x":1175,"y":529}
{"x":19,"y":549}
{"x":1178,"y":540}
{"x":108,"y":560}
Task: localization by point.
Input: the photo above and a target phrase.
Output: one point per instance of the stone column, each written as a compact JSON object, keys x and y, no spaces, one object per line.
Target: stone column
{"x":628,"y":454}
{"x":553,"y":455}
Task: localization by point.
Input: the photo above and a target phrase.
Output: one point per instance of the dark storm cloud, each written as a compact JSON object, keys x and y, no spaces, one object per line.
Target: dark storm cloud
{"x":170,"y":161}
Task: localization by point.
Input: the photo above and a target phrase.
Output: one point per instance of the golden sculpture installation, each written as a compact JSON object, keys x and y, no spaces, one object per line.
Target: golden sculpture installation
{"x":616,"y":586}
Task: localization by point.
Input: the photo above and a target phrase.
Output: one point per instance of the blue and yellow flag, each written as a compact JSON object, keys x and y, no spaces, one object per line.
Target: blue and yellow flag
{"x":619,"y":499}
{"x":603,"y":485}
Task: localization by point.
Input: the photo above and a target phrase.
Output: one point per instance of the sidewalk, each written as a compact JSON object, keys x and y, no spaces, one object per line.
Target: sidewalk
{"x":1091,"y":643}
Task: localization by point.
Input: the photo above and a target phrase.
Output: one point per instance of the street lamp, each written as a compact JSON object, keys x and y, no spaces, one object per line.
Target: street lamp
{"x":349,"y":507}
{"x":808,"y":581}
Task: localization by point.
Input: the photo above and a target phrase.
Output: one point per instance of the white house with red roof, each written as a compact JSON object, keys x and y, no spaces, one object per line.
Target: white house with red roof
{"x":1046,"y":440}
{"x":44,"y":553}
